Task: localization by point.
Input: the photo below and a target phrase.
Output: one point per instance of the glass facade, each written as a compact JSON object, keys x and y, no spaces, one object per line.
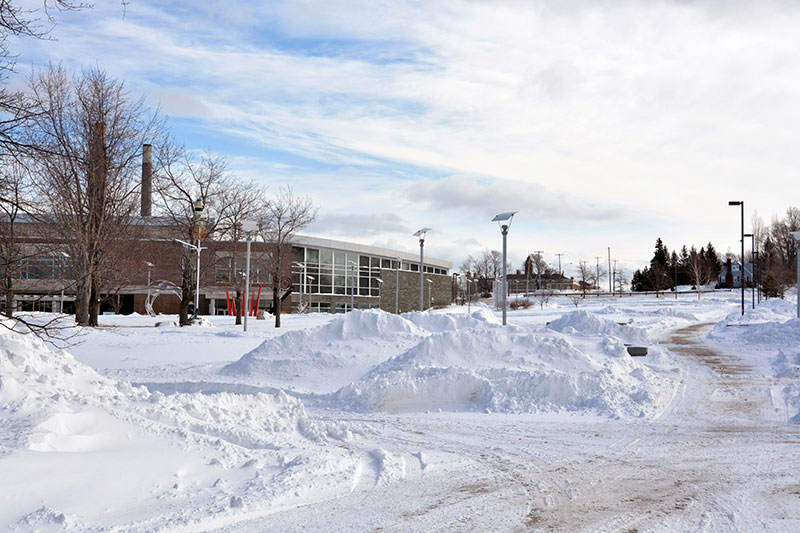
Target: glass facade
{"x":344,"y":273}
{"x":326,"y":271}
{"x":44,"y":267}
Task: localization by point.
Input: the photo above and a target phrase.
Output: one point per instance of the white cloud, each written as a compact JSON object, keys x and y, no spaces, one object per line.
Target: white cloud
{"x":604,"y":122}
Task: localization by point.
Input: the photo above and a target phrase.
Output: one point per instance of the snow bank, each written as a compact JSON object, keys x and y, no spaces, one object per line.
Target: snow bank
{"x":326,"y":357}
{"x":438,"y":322}
{"x":510,"y":369}
{"x":585,"y":323}
{"x":59,"y":414}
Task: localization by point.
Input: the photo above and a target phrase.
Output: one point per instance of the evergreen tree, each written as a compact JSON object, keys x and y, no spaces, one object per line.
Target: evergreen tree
{"x":713,"y":259}
{"x":661,"y":255}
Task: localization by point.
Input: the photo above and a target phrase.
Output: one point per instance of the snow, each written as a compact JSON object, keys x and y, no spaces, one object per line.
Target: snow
{"x":426,"y":421}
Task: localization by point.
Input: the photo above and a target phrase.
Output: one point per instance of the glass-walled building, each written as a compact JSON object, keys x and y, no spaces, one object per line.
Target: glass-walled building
{"x":334,"y":276}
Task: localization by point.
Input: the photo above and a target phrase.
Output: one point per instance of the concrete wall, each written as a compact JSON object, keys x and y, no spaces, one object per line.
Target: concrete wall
{"x":441,"y":291}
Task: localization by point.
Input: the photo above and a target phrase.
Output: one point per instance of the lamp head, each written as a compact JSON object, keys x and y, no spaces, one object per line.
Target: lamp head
{"x":421,"y":232}
{"x":735,"y":203}
{"x":504,"y":219}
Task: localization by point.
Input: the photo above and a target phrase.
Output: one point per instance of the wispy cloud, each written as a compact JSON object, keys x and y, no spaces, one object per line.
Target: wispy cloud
{"x":586,"y":115}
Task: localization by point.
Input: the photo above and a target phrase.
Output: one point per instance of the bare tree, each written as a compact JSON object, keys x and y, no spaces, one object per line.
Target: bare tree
{"x":620,"y":279}
{"x":282,"y":217}
{"x":182,"y":183}
{"x":700,"y":271}
{"x":243,"y":201}
{"x":543,"y":296}
{"x":15,"y":203}
{"x":27,"y":22}
{"x":586,"y":276}
{"x":87,"y":132}
{"x":485,"y":268}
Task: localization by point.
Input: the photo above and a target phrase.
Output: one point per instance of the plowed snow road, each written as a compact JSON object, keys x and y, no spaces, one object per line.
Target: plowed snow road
{"x":723,"y":457}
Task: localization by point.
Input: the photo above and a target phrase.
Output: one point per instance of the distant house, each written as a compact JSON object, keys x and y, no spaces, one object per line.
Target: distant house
{"x":519,"y":283}
{"x":732,"y":274}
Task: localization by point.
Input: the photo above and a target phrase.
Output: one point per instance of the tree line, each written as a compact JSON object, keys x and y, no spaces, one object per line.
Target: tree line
{"x":71,"y":146}
{"x":666,"y":270}
{"x":774,"y":257}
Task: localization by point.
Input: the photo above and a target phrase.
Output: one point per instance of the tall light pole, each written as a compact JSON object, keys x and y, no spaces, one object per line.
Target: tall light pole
{"x":504,"y":221}
{"x":796,"y":235}
{"x":741,"y":203}
{"x":309,"y":278}
{"x":303,"y":280}
{"x":610,"y":281}
{"x":752,"y":270}
{"x":248,"y":226}
{"x":421,"y":234}
{"x":560,"y":272}
{"x":397,"y":285}
{"x":352,"y":285}
{"x":597,"y":273}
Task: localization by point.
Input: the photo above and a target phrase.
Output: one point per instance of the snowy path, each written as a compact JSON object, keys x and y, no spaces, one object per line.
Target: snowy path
{"x":722,"y":457}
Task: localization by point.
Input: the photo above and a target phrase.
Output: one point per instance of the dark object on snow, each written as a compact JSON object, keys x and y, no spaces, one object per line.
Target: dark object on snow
{"x":637,"y":351}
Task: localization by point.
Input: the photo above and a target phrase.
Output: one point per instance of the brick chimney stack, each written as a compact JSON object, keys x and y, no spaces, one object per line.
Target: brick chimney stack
{"x":147,"y":180}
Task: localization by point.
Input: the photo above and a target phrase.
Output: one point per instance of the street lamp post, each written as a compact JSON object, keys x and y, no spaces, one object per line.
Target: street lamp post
{"x":752,"y":270}
{"x":421,"y":234}
{"x":397,"y":285}
{"x":65,"y":255}
{"x":741,"y":203}
{"x":352,"y":286}
{"x":796,"y":235}
{"x":309,"y":278}
{"x":248,"y":226}
{"x":504,"y":221}
{"x":303,"y":281}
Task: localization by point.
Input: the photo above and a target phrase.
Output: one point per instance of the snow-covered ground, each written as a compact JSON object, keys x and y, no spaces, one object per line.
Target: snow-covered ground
{"x":443,"y":420}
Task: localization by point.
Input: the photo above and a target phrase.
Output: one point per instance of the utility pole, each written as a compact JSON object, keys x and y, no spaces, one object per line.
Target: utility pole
{"x":538,"y":256}
{"x":614,"y":285}
{"x":597,"y":280}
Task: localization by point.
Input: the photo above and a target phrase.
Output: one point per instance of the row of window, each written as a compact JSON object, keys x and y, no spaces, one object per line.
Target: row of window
{"x":325,"y":271}
{"x":43,"y":267}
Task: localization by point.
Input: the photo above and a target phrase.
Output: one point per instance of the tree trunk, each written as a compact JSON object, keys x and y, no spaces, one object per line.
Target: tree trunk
{"x":276,"y":303}
{"x":82,"y":303}
{"x":186,"y":295}
{"x":9,"y":305}
{"x":94,"y":306}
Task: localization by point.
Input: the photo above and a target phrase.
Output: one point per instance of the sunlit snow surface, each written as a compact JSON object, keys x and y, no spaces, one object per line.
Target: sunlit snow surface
{"x":371,"y":420}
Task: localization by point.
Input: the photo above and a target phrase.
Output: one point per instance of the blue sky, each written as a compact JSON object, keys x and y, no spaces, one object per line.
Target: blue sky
{"x":602,"y":123}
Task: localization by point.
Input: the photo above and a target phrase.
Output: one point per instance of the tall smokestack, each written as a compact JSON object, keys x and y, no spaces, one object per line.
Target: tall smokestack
{"x":147,"y":180}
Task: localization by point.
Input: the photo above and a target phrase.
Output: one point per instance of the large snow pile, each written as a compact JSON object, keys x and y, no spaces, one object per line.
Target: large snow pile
{"x":585,"y":323}
{"x":772,"y":323}
{"x":324,"y":358}
{"x":61,"y":417}
{"x":488,"y":367}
